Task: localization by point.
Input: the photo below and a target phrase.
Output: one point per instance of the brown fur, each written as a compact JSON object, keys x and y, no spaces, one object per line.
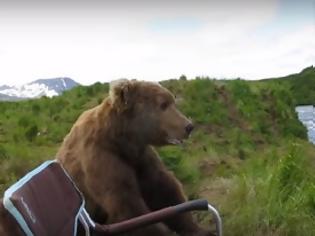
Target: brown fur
{"x":109,"y":153}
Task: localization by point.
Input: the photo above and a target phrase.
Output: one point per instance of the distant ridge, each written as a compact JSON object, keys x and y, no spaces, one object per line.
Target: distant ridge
{"x":38,"y":88}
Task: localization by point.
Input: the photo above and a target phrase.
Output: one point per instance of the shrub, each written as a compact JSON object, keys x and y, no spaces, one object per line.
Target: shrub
{"x":31,"y":133}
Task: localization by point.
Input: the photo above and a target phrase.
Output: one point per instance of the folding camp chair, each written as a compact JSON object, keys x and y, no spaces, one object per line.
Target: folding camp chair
{"x":46,"y":202}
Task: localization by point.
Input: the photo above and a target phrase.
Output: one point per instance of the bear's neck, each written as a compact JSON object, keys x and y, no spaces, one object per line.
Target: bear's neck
{"x":129,"y":150}
{"x":121,"y":138}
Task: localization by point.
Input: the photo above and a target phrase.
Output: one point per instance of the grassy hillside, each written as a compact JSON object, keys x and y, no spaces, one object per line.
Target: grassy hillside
{"x":249,"y":154}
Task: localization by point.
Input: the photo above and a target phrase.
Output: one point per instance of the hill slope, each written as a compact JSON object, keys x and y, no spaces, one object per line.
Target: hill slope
{"x":249,"y":154}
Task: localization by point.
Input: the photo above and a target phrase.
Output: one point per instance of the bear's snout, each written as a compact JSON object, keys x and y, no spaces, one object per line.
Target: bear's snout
{"x":189,"y":128}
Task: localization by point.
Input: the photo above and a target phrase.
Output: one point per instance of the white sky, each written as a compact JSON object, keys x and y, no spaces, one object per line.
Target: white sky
{"x":154,"y":40}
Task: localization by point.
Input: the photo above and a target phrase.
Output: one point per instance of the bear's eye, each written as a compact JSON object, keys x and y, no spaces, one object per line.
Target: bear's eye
{"x":164,"y":105}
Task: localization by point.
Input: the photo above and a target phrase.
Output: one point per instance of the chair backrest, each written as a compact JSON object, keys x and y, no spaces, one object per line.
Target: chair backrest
{"x":45,"y":202}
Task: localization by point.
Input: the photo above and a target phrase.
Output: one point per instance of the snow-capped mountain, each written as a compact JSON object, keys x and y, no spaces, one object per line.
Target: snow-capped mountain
{"x":37,"y":88}
{"x":4,"y":87}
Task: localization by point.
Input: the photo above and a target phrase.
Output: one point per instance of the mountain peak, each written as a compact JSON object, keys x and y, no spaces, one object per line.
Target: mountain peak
{"x":55,"y":80}
{"x":2,"y":87}
{"x":38,"y":88}
{"x":58,"y":84}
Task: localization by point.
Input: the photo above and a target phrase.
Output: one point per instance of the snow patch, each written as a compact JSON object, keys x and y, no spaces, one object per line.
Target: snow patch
{"x":30,"y":91}
{"x":39,"y":88}
{"x":64,"y":83}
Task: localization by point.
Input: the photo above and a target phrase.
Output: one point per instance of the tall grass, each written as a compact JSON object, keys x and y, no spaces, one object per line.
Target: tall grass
{"x":272,"y":196}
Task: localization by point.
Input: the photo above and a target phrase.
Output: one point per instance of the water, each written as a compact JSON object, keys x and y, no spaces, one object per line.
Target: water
{"x":306,"y":115}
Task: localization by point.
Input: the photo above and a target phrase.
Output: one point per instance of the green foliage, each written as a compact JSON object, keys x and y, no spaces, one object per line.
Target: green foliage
{"x":183,"y":77}
{"x":31,"y":133}
{"x":3,"y":153}
{"x":202,"y":103}
{"x":24,"y":121}
{"x":272,"y":197}
{"x":36,"y":109}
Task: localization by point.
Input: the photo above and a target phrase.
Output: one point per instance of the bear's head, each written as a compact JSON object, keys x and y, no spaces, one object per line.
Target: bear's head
{"x":149,"y":112}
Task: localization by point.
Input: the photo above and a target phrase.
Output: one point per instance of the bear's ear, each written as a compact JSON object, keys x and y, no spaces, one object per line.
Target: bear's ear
{"x":120,"y":91}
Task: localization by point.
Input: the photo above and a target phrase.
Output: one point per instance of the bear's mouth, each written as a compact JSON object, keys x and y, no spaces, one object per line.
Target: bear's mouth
{"x":174,"y":141}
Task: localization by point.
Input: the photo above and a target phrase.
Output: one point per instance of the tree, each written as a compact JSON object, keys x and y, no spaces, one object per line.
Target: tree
{"x":183,"y":77}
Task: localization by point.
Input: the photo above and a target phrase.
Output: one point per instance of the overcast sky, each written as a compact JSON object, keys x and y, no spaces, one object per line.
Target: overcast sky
{"x":154,"y":40}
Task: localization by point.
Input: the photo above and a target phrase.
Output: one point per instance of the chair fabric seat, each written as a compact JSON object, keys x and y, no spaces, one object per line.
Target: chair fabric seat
{"x":46,"y":202}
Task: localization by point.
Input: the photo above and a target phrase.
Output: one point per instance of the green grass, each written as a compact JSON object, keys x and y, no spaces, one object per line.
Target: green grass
{"x":248,"y":155}
{"x":272,"y":196}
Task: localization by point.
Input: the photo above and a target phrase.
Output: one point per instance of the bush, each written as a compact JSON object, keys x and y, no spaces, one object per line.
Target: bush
{"x":3,"y":152}
{"x":273,"y":198}
{"x":36,"y":109}
{"x":31,"y":133}
{"x":24,"y":121}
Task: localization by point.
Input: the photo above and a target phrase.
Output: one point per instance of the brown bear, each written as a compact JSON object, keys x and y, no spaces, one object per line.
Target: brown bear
{"x":109,"y":154}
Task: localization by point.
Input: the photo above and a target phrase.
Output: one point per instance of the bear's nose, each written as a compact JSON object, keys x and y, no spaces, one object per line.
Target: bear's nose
{"x":189,"y":128}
